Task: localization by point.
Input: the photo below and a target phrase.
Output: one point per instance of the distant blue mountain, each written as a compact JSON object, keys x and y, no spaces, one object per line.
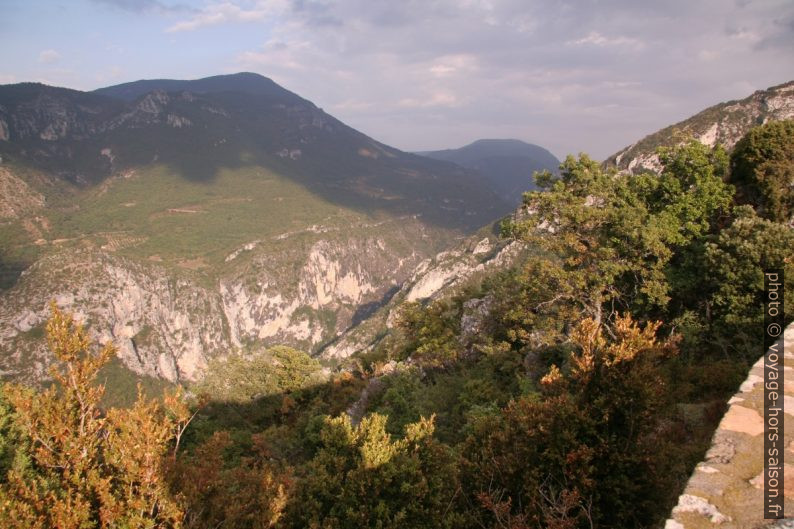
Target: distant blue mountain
{"x":506,"y":165}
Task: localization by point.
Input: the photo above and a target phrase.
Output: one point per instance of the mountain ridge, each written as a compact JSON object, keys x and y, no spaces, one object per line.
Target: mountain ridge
{"x":724,"y":123}
{"x":242,"y":82}
{"x":506,"y":164}
{"x":286,"y":222}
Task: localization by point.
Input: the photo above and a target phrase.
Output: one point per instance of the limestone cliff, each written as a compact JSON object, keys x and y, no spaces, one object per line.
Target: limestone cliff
{"x":439,"y":277}
{"x":167,"y":323}
{"x":722,"y":124}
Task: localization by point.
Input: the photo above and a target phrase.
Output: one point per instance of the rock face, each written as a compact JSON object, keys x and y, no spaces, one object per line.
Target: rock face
{"x":163,"y":325}
{"x":723,"y":124}
{"x":168,"y":324}
{"x":432,"y":279}
{"x":186,"y":218}
{"x":17,"y":198}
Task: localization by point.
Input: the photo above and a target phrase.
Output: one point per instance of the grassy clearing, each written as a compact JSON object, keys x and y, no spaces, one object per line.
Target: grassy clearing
{"x":179,"y":220}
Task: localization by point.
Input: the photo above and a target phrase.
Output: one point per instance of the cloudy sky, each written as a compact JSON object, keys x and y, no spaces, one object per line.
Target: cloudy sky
{"x":572,"y":76}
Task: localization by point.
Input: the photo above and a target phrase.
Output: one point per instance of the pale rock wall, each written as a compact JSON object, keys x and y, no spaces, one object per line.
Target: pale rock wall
{"x":166,"y":324}
{"x":160,"y":325}
{"x":432,"y":279}
{"x":724,"y":124}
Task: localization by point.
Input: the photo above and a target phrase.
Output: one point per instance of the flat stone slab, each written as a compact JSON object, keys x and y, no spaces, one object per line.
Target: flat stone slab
{"x":741,"y":419}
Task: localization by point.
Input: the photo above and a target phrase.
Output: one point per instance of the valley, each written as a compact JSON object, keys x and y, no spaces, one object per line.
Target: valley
{"x":279,"y":240}
{"x":345,"y":331}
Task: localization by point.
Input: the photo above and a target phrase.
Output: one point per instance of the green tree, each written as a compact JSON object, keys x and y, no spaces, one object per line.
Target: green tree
{"x":273,"y":371}
{"x":762,"y":168}
{"x":14,"y":444}
{"x":430,"y":333}
{"x":611,"y":237}
{"x":360,"y":477}
{"x":735,"y":262}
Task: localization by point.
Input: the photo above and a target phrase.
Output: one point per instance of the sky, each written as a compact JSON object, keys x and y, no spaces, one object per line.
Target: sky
{"x":571,"y":76}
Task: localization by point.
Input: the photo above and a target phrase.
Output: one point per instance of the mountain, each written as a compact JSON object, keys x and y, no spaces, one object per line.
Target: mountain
{"x":239,"y":83}
{"x":451,"y":271}
{"x":507,"y":165}
{"x":228,"y":122}
{"x":185,"y":219}
{"x":722,"y":124}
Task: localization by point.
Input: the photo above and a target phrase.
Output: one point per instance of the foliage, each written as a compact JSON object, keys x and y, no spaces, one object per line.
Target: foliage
{"x":612,"y":236}
{"x":89,"y":469}
{"x":593,"y":451}
{"x":242,"y":377}
{"x":360,"y":477}
{"x":451,"y":395}
{"x":14,"y":444}
{"x":216,"y":495}
{"x":431,"y":333}
{"x":762,"y":168}
{"x":735,"y":262}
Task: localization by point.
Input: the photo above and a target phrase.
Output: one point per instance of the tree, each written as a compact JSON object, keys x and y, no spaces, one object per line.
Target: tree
{"x":595,"y":449}
{"x":612,"y":237}
{"x":89,"y":469}
{"x":735,"y":262}
{"x":14,"y":444}
{"x":251,"y":494}
{"x":360,"y":477}
{"x":762,"y":168}
{"x":431,"y":332}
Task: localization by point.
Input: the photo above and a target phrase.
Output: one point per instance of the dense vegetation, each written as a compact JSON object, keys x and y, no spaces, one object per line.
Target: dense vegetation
{"x":577,"y":389}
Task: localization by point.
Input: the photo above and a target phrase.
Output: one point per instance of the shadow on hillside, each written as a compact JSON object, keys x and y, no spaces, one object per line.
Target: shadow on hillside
{"x":10,"y":272}
{"x":441,"y":193}
{"x":291,"y":431}
{"x":438,"y":192}
{"x":292,"y":409}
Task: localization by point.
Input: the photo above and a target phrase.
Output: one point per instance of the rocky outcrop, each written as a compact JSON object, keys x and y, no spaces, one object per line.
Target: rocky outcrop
{"x":726,"y":490}
{"x":723,"y":124}
{"x":168,"y":323}
{"x":432,"y":279}
{"x":261,"y":300}
{"x":163,"y":326}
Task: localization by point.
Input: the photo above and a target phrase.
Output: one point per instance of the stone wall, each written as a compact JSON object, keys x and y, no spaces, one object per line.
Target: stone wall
{"x":725,"y":491}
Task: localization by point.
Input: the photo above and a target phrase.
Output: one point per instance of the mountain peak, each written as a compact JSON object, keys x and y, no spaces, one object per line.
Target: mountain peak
{"x":506,"y":164}
{"x":242,"y":82}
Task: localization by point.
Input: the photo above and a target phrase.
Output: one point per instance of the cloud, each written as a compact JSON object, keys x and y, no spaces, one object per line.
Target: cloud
{"x":576,"y":75}
{"x":595,"y":38}
{"x":49,"y":56}
{"x":435,"y":99}
{"x":146,"y":6}
{"x":221,"y":13}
